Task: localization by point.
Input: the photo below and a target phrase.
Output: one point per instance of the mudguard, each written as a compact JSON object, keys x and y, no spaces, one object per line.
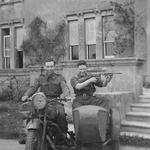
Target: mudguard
{"x":90,"y":124}
{"x":115,"y":124}
{"x":33,"y":124}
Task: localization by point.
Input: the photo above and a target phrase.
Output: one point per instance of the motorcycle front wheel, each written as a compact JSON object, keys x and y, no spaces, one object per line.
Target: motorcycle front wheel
{"x":33,"y":141}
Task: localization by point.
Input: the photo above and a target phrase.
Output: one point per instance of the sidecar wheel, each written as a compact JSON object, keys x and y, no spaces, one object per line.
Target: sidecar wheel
{"x":33,"y":141}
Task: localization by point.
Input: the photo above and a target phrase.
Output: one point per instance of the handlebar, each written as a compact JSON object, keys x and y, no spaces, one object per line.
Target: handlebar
{"x":49,"y":100}
{"x":59,"y":99}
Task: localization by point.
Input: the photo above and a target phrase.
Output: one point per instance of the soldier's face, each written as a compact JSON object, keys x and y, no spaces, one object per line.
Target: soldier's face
{"x":82,"y":70}
{"x":49,"y":67}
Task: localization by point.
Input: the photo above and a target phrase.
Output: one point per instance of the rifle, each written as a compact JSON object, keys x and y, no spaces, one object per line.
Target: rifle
{"x":102,"y":72}
{"x":97,"y":74}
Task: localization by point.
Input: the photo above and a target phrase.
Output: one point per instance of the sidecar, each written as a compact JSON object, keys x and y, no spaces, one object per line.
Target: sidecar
{"x":96,"y":128}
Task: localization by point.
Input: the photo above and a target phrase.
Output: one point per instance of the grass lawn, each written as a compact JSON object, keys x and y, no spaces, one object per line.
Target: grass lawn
{"x":10,"y":120}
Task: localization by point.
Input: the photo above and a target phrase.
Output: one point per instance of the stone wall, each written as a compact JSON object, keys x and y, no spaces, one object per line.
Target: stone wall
{"x":13,"y":83}
{"x":11,"y":16}
{"x":130,"y":79}
{"x":10,"y":11}
{"x":54,"y":11}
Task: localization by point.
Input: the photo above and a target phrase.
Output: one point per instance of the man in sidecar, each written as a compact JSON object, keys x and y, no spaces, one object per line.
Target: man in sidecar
{"x":84,"y":87}
{"x":53,"y":86}
{"x":92,"y":116}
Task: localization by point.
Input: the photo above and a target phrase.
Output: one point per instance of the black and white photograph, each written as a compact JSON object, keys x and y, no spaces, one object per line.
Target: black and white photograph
{"x":74,"y":74}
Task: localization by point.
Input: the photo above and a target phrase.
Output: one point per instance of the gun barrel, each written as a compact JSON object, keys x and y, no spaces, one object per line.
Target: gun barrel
{"x":103,"y":72}
{"x":111,"y":73}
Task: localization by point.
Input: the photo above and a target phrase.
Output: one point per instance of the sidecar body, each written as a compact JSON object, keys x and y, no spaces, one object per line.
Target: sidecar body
{"x":93,"y":124}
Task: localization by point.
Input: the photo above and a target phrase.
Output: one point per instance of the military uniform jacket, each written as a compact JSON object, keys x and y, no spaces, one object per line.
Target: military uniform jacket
{"x":89,"y":89}
{"x":52,"y":86}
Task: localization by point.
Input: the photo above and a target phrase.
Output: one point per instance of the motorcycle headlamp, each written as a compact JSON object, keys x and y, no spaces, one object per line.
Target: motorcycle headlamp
{"x":39,"y":100}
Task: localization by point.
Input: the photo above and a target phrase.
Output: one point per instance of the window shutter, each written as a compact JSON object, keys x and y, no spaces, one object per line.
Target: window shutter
{"x":73,"y":33}
{"x":19,"y":38}
{"x":90,"y":31}
{"x":6,"y":46}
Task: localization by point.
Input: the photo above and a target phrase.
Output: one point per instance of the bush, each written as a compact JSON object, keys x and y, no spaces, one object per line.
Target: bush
{"x":10,"y":120}
{"x":43,"y":42}
{"x":14,"y":89}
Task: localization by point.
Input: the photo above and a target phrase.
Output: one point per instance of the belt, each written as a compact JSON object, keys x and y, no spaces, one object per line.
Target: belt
{"x":84,"y":94}
{"x":52,"y":96}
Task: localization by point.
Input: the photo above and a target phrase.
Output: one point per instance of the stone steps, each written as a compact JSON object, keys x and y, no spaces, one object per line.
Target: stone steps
{"x":138,"y":116}
{"x":135,"y":126}
{"x":140,"y":107}
{"x":144,"y":98}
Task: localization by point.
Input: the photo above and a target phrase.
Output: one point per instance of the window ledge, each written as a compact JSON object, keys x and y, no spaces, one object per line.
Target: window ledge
{"x":127,"y":61}
{"x":12,"y":21}
{"x":11,"y":2}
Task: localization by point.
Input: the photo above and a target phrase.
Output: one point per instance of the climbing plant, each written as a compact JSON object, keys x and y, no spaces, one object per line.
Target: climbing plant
{"x":124,"y":17}
{"x":44,"y":42}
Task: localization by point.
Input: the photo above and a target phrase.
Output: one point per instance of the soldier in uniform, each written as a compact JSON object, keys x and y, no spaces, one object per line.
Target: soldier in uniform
{"x":84,"y":87}
{"x":52,"y":85}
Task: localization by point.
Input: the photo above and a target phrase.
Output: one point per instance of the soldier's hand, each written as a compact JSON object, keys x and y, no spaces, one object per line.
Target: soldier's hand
{"x":68,"y":98}
{"x":62,"y":96}
{"x":108,"y":77}
{"x":93,"y":79}
{"x":24,"y":98}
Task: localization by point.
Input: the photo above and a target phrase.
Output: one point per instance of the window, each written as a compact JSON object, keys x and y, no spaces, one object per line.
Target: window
{"x":6,"y":48}
{"x":108,"y":36}
{"x":74,"y":52}
{"x":73,"y":40}
{"x":18,"y":43}
{"x":90,"y":38}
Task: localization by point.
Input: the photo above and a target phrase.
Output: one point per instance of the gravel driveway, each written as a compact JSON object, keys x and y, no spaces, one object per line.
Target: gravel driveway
{"x":10,"y":145}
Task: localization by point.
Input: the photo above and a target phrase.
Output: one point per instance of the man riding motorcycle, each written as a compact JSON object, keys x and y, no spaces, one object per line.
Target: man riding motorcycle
{"x":52,"y":85}
{"x":84,"y":87}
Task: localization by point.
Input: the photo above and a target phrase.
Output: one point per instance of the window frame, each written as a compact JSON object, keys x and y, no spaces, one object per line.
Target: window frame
{"x":105,"y":51}
{"x":71,"y":45}
{"x":70,"y":52}
{"x":16,"y":37}
{"x":87,"y":52}
{"x":87,"y":44}
{"x":4,"y":52}
{"x":4,"y":48}
{"x":106,"y":13}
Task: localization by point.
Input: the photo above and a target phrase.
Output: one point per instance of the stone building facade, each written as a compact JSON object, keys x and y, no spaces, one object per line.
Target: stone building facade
{"x":85,"y":35}
{"x":11,"y":29}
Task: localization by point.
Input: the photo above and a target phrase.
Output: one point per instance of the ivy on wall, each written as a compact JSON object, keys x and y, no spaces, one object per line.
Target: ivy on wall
{"x":128,"y":23}
{"x":44,"y":42}
{"x":124,"y":27}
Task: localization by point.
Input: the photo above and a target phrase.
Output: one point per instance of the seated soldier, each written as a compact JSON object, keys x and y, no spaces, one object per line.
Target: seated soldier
{"x":84,"y":87}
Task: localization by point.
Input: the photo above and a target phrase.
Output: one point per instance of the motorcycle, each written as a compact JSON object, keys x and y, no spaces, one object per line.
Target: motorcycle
{"x":42,"y":130}
{"x":94,"y":127}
